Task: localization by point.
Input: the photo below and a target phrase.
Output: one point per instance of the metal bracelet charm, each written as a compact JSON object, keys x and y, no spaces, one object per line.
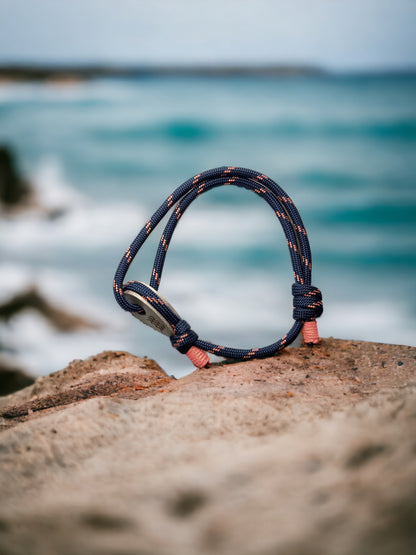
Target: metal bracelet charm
{"x":148,"y":314}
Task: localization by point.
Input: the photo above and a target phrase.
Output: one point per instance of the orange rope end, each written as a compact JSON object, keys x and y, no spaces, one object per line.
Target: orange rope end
{"x":198,"y":357}
{"x":310,"y":333}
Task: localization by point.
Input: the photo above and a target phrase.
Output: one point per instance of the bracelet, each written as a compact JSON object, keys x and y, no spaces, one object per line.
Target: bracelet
{"x":146,"y":304}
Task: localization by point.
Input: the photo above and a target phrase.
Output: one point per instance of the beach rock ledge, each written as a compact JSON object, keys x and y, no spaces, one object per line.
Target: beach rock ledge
{"x":309,"y":452}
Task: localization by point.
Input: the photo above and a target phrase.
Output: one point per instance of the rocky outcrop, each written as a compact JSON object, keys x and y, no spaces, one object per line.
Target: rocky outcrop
{"x":14,"y":190}
{"x":19,"y":198}
{"x":32,"y":299}
{"x":309,"y":452}
{"x":13,"y":378}
{"x":108,"y":374}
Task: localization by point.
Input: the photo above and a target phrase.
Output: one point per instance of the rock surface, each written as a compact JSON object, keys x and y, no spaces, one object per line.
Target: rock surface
{"x":309,"y":452}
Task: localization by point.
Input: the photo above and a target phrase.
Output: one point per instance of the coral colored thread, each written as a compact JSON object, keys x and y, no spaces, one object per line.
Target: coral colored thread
{"x":310,"y":333}
{"x":198,"y":357}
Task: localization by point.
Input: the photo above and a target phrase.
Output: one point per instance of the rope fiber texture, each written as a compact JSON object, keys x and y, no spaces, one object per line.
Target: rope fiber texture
{"x":307,"y":299}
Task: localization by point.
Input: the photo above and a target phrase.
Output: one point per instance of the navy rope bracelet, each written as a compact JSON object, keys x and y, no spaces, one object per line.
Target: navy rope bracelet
{"x":146,"y":304}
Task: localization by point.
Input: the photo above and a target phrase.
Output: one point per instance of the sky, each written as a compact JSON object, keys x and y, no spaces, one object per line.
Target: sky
{"x":343,"y":34}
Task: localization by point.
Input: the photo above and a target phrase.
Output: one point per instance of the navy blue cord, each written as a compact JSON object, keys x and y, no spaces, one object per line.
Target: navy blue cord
{"x":307,"y":298}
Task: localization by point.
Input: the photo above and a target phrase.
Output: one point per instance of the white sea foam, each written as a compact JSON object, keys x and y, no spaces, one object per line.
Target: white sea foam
{"x":229,"y":227}
{"x":224,"y":305}
{"x":221,"y":273}
{"x":51,"y":188}
{"x":386,"y":323}
{"x":85,"y":228}
{"x":14,"y":277}
{"x":218,"y":302}
{"x":31,"y":342}
{"x":79,"y":222}
{"x":232,"y":316}
{"x":69,"y":291}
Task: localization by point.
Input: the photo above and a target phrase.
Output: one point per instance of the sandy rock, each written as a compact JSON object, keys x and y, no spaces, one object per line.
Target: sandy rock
{"x":309,"y":452}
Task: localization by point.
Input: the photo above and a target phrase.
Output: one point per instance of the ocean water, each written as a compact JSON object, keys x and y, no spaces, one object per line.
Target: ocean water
{"x":108,"y":152}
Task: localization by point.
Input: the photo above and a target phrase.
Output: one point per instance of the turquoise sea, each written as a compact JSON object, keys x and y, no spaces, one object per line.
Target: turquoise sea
{"x":105,"y":154}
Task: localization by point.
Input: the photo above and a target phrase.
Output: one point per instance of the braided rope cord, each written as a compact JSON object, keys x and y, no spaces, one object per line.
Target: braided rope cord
{"x":307,"y":298}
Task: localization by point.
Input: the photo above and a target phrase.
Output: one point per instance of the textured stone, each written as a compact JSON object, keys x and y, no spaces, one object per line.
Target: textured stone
{"x":308,"y":452}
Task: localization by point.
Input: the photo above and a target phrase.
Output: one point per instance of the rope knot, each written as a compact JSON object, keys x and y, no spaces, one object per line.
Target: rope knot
{"x":184,"y":337}
{"x":307,"y":302}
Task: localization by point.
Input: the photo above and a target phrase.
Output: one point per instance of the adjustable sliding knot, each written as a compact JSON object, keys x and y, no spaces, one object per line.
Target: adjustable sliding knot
{"x":183,"y":337}
{"x":307,"y":302}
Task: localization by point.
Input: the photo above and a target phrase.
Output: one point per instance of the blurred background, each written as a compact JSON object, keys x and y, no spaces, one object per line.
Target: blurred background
{"x":106,"y":107}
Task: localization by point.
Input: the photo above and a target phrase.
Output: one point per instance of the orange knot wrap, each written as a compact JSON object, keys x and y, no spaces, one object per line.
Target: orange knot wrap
{"x":310,"y":333}
{"x":198,"y":357}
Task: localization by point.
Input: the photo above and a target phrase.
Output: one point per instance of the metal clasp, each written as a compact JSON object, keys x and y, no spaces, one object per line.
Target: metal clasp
{"x":151,"y":317}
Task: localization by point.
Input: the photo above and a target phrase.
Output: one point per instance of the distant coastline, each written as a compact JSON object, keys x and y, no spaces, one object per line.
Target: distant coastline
{"x":52,"y":72}
{"x":64,"y":72}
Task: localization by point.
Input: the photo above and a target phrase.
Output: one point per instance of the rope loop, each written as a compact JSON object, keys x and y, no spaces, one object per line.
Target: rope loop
{"x":183,"y":337}
{"x":307,"y":299}
{"x":307,"y":302}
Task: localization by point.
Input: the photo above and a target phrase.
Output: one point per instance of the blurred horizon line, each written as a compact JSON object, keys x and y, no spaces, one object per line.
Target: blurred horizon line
{"x":44,"y":70}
